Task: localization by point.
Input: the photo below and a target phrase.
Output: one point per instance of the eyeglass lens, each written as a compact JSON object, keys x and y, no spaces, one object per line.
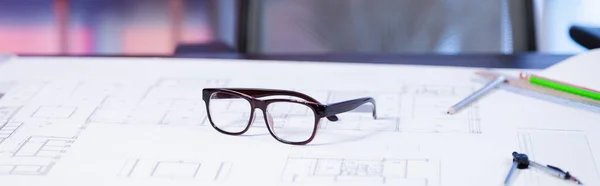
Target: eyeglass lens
{"x":289,"y":121}
{"x":293,"y":122}
{"x":229,"y":112}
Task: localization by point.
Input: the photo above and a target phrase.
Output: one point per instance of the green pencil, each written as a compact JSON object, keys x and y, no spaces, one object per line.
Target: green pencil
{"x":562,"y":86}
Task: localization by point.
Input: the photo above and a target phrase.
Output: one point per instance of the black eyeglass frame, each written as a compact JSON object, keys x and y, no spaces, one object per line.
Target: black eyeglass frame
{"x":320,"y":110}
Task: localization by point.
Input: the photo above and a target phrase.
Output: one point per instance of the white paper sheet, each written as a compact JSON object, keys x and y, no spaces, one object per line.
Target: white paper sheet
{"x":126,"y":121}
{"x":581,"y":69}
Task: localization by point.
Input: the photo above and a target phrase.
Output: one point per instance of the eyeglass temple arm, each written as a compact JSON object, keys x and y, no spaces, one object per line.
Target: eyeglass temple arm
{"x":336,"y":108}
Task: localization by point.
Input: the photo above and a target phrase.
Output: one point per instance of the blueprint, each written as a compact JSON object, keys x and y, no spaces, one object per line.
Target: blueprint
{"x":136,"y":121}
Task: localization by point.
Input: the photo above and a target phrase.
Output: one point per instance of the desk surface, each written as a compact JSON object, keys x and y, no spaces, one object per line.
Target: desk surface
{"x":523,"y":61}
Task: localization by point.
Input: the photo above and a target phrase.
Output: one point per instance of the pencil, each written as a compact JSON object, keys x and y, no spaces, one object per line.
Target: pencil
{"x":517,"y":82}
{"x":561,"y":86}
{"x":476,"y":94}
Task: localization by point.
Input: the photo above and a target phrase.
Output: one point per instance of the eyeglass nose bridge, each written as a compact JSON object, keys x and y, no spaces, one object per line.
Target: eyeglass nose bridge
{"x":260,"y":104}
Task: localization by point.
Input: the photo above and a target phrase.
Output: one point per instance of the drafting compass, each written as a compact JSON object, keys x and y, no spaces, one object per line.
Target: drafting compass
{"x":521,"y":161}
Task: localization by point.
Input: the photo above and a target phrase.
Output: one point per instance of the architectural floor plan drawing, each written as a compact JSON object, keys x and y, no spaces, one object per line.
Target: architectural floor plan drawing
{"x":6,"y":113}
{"x":415,"y":109}
{"x":167,"y":102}
{"x":133,"y":121}
{"x":7,"y":129}
{"x":26,"y":169}
{"x":417,"y":172}
{"x":34,"y":156}
{"x":54,"y":112}
{"x":424,"y":110}
{"x":569,"y":152}
{"x":32,"y":148}
{"x":163,"y":112}
{"x":175,"y":169}
{"x":19,"y":93}
{"x":40,"y":120}
{"x":42,"y":146}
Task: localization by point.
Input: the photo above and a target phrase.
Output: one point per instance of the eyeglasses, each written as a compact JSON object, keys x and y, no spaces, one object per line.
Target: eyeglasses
{"x":291,"y":120}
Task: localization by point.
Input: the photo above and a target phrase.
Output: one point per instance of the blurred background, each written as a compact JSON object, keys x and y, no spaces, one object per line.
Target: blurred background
{"x":168,"y":27}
